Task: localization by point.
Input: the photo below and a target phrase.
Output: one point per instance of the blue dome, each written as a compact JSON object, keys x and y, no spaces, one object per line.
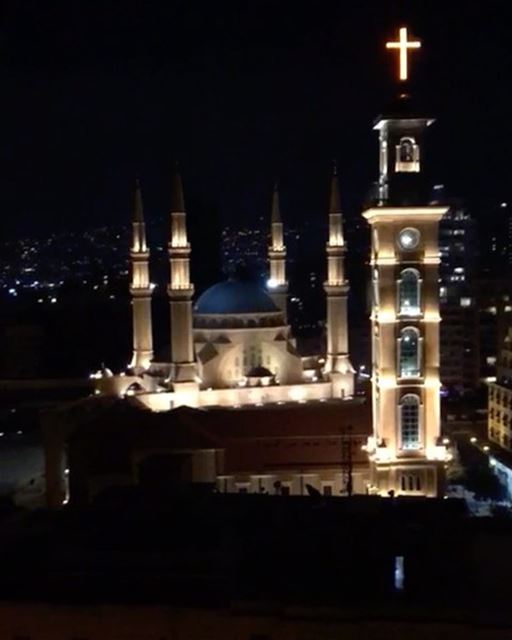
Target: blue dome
{"x":235,"y":297}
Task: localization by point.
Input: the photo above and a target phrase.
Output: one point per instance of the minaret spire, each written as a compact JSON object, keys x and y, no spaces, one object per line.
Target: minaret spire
{"x":140,"y":288}
{"x":336,"y":237}
{"x":180,"y":289}
{"x":177,"y":198}
{"x":276,"y":209}
{"x":336,"y":287}
{"x":138,"y":209}
{"x":334,"y":200}
{"x":277,"y":283}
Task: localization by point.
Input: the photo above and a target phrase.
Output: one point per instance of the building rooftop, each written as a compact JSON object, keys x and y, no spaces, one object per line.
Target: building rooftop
{"x":212,"y":551}
{"x":403,"y":107}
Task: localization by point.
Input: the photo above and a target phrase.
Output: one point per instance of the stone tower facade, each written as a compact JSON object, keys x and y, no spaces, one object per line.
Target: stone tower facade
{"x":337,"y":364}
{"x":180,"y":291}
{"x":277,"y":283}
{"x":406,"y":453}
{"x":140,"y":290}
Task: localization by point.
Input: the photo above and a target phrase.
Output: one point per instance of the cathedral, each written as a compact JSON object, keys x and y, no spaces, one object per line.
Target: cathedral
{"x":234,"y":360}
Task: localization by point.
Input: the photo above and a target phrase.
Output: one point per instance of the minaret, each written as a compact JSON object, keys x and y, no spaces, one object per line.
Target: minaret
{"x":180,"y":290}
{"x":336,"y":287}
{"x":406,"y":454}
{"x":277,"y":283}
{"x":140,"y":289}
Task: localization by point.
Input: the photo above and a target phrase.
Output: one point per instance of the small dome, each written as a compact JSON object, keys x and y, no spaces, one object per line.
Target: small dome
{"x":233,"y":297}
{"x":104,"y":372}
{"x":259,"y":372}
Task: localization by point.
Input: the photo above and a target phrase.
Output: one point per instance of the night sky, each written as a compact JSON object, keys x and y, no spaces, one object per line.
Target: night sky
{"x":239,"y":93}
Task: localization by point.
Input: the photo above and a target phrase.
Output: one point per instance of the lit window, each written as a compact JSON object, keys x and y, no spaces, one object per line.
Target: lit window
{"x":409,"y":292}
{"x":410,"y":422}
{"x":399,"y":573}
{"x":465,"y":302}
{"x":409,"y":353}
{"x":407,"y":155}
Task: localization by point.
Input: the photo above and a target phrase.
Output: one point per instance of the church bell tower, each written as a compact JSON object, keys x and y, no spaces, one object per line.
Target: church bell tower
{"x":405,"y":451}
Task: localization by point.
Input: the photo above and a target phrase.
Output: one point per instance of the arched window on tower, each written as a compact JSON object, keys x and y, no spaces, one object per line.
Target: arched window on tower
{"x":406,"y":150}
{"x":407,"y":156}
{"x":409,"y":293}
{"x":409,"y":353}
{"x":409,"y":411}
{"x":376,"y":300}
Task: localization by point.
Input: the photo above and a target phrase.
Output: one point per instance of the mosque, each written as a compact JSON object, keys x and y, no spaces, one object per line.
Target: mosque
{"x":234,"y":345}
{"x":262,"y":412}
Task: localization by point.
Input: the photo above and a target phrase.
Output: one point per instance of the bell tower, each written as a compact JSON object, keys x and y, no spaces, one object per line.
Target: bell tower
{"x":405,"y":451}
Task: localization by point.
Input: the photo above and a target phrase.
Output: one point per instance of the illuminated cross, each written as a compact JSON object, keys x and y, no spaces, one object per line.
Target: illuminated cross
{"x":403,"y":44}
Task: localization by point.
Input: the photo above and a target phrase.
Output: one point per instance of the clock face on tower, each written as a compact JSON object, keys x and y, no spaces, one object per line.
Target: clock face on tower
{"x":408,"y":238}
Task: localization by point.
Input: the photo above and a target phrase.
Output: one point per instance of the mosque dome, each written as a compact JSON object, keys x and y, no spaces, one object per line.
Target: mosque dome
{"x":235,"y":297}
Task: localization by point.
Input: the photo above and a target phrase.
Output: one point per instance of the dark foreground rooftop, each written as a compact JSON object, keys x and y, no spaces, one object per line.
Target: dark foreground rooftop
{"x":214,"y":551}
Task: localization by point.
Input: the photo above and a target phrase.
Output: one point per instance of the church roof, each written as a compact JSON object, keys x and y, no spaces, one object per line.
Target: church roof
{"x":403,"y":107}
{"x":234,"y":297}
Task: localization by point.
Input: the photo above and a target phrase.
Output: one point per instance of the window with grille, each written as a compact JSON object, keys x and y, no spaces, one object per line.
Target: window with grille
{"x":409,"y":360}
{"x":410,"y":422}
{"x":409,"y":292}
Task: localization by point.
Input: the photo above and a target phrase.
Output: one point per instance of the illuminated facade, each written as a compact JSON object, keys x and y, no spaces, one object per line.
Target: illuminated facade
{"x":500,"y":398}
{"x":233,"y":346}
{"x":337,"y":366}
{"x":140,"y":290}
{"x":277,"y":283}
{"x":180,"y":291}
{"x":460,"y":339}
{"x":405,"y":450}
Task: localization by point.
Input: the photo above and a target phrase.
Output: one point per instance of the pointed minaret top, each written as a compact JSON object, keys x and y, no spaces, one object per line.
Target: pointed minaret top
{"x":335,"y":202}
{"x":177,"y":199}
{"x":276,"y":211}
{"x":138,"y":211}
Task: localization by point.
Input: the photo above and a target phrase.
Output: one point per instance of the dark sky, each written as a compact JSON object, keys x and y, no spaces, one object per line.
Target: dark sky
{"x":239,"y":92}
